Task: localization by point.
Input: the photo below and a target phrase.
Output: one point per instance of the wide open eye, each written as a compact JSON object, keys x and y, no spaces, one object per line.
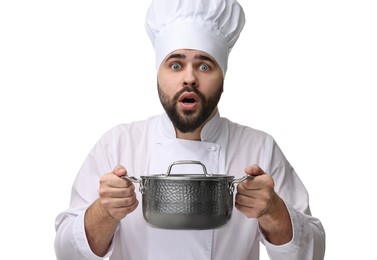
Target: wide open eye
{"x":204,"y":67}
{"x":176,"y":66}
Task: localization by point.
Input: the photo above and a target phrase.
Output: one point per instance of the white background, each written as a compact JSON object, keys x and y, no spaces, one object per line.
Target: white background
{"x":303,"y":71}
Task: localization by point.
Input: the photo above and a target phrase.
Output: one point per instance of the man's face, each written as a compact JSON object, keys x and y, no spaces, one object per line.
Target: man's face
{"x":190,"y":84}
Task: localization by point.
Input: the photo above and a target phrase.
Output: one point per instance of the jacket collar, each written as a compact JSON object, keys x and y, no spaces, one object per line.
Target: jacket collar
{"x":210,"y":132}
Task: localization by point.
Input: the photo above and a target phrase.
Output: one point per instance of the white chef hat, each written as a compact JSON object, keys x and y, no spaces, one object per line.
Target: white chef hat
{"x":212,"y":26}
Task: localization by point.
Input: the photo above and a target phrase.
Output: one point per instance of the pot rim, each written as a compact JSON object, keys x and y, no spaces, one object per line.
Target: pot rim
{"x":187,"y":177}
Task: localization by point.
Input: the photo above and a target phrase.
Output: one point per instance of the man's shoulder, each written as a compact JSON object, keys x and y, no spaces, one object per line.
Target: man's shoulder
{"x":138,"y":123}
{"x":241,"y":129}
{"x":137,"y":127}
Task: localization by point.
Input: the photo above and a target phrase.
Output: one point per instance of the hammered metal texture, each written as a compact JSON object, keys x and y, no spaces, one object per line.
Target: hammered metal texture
{"x":183,"y":202}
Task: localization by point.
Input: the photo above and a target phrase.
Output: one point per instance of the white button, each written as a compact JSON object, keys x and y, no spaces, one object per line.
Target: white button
{"x":212,"y":148}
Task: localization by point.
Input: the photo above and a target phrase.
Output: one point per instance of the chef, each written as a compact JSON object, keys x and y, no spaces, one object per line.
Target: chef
{"x":192,"y":40}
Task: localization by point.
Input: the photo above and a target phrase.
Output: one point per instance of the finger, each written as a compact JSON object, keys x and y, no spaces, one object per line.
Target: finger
{"x":251,"y":207}
{"x":246,"y":205}
{"x":245,"y":200}
{"x":248,"y":189}
{"x":121,"y":212}
{"x":260,"y":182}
{"x":117,"y":192}
{"x":111,"y":180}
{"x":255,"y":201}
{"x":252,"y":183}
{"x":249,"y":212}
{"x":119,"y":202}
{"x":120,"y":170}
{"x":254,"y":170}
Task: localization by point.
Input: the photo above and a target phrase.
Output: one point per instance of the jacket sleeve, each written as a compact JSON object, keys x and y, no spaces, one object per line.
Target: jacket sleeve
{"x":70,"y":241}
{"x":308,"y":242}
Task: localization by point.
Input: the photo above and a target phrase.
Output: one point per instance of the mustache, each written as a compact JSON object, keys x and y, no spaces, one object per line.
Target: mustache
{"x":188,"y":89}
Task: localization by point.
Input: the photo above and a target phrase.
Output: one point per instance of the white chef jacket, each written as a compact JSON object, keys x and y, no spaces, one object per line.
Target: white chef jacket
{"x":149,"y":147}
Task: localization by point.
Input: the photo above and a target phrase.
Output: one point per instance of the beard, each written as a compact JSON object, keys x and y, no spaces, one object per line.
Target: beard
{"x":189,"y":120}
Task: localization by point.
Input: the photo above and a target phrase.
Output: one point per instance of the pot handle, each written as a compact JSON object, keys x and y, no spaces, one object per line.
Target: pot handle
{"x":234,"y":181}
{"x":134,"y":180}
{"x":187,"y":162}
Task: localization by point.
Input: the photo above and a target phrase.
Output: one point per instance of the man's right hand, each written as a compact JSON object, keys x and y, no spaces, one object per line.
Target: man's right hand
{"x":117,"y":195}
{"x":117,"y":199}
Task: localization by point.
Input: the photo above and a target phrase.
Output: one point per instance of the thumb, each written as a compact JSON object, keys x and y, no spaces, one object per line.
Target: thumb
{"x":254,"y":170}
{"x":120,"y":171}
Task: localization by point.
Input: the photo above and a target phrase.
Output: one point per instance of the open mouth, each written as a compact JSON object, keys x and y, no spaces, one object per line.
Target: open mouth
{"x":189,"y":100}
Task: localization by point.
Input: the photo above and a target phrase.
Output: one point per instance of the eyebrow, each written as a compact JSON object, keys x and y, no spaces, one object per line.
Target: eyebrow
{"x":182,"y":56}
{"x":175,"y":56}
{"x":204,"y":57}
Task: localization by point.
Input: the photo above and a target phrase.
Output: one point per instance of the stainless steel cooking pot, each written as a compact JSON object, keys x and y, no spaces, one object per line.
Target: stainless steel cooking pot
{"x":187,"y":201}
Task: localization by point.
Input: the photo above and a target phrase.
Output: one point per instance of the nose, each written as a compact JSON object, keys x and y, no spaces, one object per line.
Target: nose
{"x":190,"y":77}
